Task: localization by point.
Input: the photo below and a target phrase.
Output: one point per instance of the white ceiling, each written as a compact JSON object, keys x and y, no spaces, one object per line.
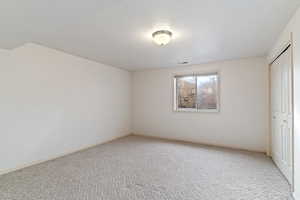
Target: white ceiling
{"x":118,"y":32}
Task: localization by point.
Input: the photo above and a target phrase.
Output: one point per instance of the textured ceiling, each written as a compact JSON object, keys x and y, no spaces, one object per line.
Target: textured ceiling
{"x":118,"y":32}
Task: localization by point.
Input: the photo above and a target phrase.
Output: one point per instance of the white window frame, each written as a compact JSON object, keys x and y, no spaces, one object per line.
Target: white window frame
{"x":195,"y":110}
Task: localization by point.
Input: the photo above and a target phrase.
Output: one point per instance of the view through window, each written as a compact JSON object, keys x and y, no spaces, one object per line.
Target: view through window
{"x":196,"y":92}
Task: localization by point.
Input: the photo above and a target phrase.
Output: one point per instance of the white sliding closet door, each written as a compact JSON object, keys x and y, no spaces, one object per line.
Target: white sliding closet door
{"x":282,"y":113}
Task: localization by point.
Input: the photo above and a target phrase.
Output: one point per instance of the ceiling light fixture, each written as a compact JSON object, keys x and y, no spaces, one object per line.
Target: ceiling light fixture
{"x":162,"y":37}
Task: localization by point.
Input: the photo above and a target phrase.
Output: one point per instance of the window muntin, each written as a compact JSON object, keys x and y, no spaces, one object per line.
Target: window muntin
{"x":196,"y":93}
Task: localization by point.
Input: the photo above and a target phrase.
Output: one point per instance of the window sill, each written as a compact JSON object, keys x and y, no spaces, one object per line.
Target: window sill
{"x":187,"y":110}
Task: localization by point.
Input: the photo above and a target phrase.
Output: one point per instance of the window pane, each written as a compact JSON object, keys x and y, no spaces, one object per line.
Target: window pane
{"x":207,"y":91}
{"x":186,"y":92}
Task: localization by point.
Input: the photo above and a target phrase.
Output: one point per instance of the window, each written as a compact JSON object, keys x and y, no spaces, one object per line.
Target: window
{"x":196,"y":93}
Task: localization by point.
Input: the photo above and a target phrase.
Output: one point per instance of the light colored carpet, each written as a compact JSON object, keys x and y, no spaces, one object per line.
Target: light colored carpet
{"x":140,"y":168}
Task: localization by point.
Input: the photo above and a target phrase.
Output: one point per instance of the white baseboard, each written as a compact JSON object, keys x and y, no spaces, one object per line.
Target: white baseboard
{"x":57,"y":156}
{"x":200,"y":143}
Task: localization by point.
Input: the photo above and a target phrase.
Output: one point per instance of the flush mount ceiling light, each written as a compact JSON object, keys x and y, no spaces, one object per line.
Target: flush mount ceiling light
{"x":162,"y":37}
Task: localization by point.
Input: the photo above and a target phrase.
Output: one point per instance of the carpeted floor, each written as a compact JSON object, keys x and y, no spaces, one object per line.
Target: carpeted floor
{"x":140,"y":168}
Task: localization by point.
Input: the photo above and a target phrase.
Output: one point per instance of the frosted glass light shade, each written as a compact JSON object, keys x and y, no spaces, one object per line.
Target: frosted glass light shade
{"x":162,"y":37}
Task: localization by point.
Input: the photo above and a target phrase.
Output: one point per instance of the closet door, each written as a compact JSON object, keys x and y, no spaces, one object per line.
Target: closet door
{"x":282,"y":113}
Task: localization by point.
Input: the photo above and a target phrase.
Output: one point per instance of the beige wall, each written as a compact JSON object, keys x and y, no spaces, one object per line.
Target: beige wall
{"x":241,"y":123}
{"x":53,"y":103}
{"x":294,"y":28}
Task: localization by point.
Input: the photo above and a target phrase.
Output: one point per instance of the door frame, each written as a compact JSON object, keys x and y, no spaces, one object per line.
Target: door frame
{"x":289,"y":44}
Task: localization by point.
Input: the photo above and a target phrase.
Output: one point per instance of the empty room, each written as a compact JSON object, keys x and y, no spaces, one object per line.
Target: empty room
{"x":150,"y":100}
